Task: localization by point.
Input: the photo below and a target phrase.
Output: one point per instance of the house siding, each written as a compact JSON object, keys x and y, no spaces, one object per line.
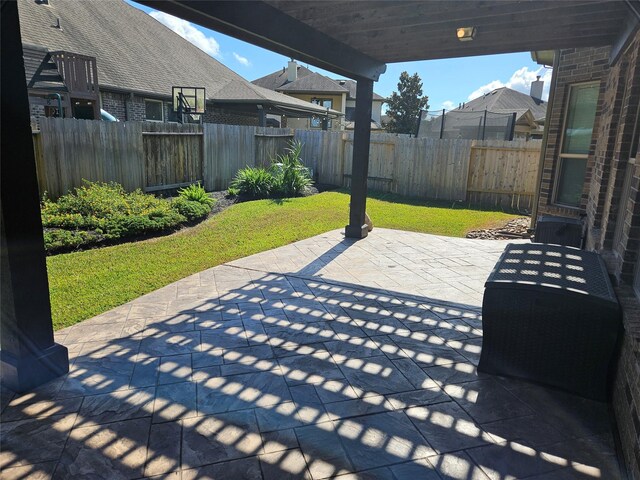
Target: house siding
{"x":608,"y":207}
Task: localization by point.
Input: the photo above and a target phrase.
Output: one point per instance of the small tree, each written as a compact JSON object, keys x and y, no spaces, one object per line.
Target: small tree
{"x":405,"y":105}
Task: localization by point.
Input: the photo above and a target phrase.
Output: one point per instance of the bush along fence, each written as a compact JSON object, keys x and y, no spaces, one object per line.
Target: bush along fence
{"x":159,"y":156}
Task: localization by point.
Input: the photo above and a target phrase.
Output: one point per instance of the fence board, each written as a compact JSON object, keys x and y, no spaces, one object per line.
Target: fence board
{"x":172,"y":155}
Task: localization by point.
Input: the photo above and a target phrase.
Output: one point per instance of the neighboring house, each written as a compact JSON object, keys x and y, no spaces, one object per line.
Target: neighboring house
{"x":530,"y":109}
{"x":340,"y":95}
{"x":113,"y":56}
{"x":591,"y":168}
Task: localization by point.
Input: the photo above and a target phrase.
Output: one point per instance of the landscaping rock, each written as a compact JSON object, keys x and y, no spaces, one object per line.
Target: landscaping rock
{"x":516,"y":228}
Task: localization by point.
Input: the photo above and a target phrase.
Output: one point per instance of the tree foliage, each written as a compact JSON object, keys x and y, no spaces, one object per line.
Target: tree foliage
{"x":405,"y":104}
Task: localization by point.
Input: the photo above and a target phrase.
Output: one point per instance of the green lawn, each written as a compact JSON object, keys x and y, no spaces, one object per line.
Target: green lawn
{"x":87,"y":283}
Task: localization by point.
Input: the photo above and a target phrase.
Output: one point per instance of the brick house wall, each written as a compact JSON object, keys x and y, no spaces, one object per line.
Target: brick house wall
{"x":610,"y":203}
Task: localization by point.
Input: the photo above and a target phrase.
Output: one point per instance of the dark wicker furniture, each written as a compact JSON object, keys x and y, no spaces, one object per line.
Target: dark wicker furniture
{"x":550,"y":316}
{"x":560,"y":231}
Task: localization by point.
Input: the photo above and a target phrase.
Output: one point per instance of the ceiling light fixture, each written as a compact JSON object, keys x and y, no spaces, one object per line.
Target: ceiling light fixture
{"x":466,"y":34}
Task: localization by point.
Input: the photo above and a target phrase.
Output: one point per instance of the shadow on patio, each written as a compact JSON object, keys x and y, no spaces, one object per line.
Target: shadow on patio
{"x":237,"y":373}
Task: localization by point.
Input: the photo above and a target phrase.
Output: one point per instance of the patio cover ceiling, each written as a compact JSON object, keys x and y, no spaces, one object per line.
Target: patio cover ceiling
{"x":357,"y":39}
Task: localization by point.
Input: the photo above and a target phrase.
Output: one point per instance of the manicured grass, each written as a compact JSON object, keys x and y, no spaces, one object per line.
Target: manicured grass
{"x":84,"y":284}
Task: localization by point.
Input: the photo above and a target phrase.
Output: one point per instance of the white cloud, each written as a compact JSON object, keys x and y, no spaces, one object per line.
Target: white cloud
{"x":242,"y":60}
{"x":520,"y":81}
{"x":189,"y":32}
{"x":448,"y":105}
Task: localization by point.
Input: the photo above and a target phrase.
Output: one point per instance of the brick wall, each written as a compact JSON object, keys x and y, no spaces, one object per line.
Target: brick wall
{"x":114,"y":103}
{"x":626,"y":394}
{"x":576,"y":66}
{"x":124,"y":106}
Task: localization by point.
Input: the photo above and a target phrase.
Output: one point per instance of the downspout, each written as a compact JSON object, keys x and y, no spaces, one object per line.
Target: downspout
{"x":545,"y":135}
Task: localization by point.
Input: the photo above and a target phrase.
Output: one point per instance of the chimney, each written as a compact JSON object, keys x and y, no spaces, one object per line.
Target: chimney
{"x":536,"y":88}
{"x":292,"y":71}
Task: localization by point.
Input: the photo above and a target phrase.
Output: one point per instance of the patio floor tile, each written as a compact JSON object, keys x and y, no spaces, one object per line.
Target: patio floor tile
{"x":486,"y":400}
{"x":382,"y":439}
{"x":174,"y":402}
{"x":31,"y":441}
{"x":517,"y":461}
{"x":457,"y":466}
{"x":221,"y":437}
{"x":118,"y":406}
{"x":285,"y":465}
{"x":244,"y":469}
{"x":447,"y":427}
{"x":238,"y":392}
{"x":374,"y":375}
{"x":123,"y":448}
{"x":163,"y":454}
{"x":323,"y":450}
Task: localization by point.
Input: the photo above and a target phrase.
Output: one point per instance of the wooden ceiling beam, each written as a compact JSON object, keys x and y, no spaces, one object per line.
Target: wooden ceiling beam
{"x":263,"y":25}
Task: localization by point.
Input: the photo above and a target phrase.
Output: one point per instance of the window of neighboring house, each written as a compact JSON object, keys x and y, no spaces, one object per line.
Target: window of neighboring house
{"x":350,"y":114}
{"x":576,"y":139}
{"x":316,"y":120}
{"x":154,"y":110}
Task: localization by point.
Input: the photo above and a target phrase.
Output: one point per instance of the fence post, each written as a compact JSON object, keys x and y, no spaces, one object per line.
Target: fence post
{"x":513,"y":126}
{"x":442,"y":124}
{"x":484,"y":124}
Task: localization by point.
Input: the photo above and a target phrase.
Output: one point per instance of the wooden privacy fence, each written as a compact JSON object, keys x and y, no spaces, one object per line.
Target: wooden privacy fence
{"x":158,"y":156}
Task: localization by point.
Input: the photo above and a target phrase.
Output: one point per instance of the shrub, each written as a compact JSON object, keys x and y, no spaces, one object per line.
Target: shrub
{"x":286,"y":177}
{"x":253,"y":182}
{"x":196,"y":193}
{"x":191,"y":209}
{"x":291,"y":177}
{"x":154,"y":221}
{"x":57,"y":239}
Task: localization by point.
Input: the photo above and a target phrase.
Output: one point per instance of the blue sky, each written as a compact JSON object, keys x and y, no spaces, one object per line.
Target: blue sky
{"x":446,"y":82}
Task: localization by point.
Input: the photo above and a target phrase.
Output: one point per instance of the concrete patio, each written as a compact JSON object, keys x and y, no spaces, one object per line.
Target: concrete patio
{"x":324,"y":358}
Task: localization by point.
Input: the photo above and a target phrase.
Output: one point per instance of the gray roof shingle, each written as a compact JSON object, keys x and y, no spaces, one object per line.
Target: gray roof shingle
{"x":134,"y":51}
{"x":313,"y":83}
{"x":506,"y":100}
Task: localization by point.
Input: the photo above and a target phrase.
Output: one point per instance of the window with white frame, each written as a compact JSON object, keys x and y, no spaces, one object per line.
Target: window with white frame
{"x":154,"y":110}
{"x":576,"y":139}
